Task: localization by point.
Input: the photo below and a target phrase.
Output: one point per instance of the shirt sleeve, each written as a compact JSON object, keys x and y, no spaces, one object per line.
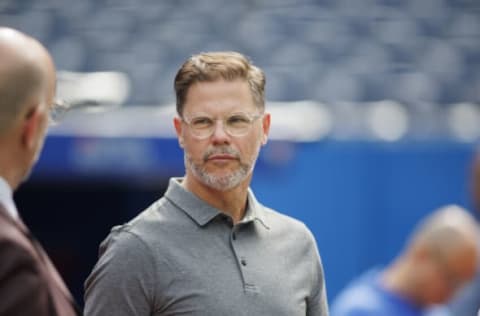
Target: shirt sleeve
{"x":317,"y":303}
{"x":122,"y":282}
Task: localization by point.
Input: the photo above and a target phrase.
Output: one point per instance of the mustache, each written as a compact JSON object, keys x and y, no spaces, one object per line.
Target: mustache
{"x":221,"y":151}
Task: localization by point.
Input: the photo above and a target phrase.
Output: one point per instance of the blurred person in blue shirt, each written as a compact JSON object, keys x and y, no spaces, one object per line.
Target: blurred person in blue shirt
{"x":467,"y":301}
{"x":440,"y":257}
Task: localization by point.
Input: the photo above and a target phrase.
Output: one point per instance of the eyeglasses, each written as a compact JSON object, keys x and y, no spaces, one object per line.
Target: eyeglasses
{"x":57,"y":111}
{"x":236,"y":124}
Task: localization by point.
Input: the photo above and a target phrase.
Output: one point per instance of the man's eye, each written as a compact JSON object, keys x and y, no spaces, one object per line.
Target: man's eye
{"x":202,"y":122}
{"x":238,"y":120}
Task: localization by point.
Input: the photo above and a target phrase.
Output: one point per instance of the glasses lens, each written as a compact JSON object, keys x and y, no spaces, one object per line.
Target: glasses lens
{"x":238,"y":124}
{"x":58,"y":111}
{"x":202,"y":126}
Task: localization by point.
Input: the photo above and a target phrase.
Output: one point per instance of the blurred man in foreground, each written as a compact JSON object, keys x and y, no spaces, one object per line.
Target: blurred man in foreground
{"x":208,"y":247}
{"x":29,"y":283}
{"x":440,"y":257}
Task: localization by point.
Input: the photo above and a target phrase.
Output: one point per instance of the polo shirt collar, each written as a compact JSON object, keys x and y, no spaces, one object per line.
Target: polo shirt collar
{"x":201,"y":212}
{"x":196,"y":208}
{"x":255,"y":211}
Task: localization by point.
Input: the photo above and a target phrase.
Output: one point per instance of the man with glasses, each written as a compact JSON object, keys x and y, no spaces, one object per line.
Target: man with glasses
{"x":441,"y":257}
{"x":208,"y":247}
{"x":29,"y":283}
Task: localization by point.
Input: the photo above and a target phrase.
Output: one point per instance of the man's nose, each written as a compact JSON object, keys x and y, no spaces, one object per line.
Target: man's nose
{"x":219,"y":133}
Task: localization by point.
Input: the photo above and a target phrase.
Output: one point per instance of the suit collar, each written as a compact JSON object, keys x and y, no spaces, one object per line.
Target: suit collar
{"x":15,"y":221}
{"x":40,"y":252}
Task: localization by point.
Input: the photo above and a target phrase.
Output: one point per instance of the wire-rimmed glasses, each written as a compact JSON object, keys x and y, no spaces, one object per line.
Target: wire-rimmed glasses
{"x":58,"y":110}
{"x":237,"y":124}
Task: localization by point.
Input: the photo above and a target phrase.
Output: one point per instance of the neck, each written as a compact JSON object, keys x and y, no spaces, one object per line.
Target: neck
{"x":8,"y":172}
{"x":11,"y":160}
{"x":232,"y":202}
{"x":400,"y":279}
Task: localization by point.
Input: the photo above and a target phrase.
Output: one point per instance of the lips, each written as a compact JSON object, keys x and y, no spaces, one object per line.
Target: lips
{"x":221,"y":154}
{"x":221,"y":157}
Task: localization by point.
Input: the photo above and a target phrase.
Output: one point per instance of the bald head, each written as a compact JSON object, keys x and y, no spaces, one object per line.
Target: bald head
{"x":443,"y":254}
{"x":26,"y":69}
{"x":27,"y":91}
{"x":448,"y":230}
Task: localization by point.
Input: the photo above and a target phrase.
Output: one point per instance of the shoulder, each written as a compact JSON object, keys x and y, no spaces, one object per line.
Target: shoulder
{"x":149,"y":222}
{"x":14,"y":244}
{"x":24,"y":287}
{"x":291,"y":236}
{"x":143,"y":236}
{"x":283,"y":223}
{"x":360,"y":297}
{"x":120,"y":255}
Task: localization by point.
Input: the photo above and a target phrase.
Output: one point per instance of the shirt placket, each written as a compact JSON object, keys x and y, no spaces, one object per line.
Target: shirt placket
{"x":240,"y":249}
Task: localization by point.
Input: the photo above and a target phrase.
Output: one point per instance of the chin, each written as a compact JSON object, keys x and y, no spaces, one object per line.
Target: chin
{"x":221,"y":179}
{"x":221,"y":183}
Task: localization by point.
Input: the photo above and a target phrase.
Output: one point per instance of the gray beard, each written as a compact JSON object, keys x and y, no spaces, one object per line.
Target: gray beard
{"x":220,"y":183}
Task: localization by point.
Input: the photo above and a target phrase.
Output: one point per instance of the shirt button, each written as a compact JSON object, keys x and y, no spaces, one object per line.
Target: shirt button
{"x":243,"y":262}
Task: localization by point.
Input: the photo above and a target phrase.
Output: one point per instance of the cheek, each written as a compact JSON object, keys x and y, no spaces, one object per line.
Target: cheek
{"x":255,"y":144}
{"x":438,"y":291}
{"x":42,"y":133}
{"x":249,"y":151}
{"x":193,"y":148}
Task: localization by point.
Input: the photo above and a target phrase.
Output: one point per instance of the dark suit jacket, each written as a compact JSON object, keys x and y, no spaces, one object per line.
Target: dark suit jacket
{"x":29,"y":283}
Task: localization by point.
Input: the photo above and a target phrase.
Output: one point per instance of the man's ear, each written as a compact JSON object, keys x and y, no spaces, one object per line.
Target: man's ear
{"x":266,"y":128}
{"x":177,"y":122}
{"x":32,"y":119}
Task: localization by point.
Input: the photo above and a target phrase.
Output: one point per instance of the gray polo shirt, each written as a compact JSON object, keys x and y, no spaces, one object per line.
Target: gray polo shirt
{"x":181,"y":256}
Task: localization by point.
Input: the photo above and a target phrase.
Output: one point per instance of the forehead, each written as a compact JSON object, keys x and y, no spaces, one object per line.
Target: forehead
{"x":219,"y":96}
